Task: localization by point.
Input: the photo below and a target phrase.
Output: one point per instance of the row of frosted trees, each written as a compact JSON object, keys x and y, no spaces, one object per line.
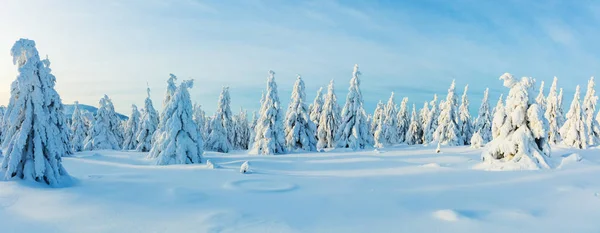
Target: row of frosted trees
{"x":35,"y":133}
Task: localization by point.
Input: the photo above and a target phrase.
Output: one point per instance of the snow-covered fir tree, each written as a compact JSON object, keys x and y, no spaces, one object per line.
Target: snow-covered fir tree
{"x":377,"y":115}
{"x":423,"y":113}
{"x":354,"y":130}
{"x":403,"y":120}
{"x":78,"y":129}
{"x":574,"y":131}
{"x":561,"y":113}
{"x":35,"y":128}
{"x":317,"y":107}
{"x":101,"y":135}
{"x":222,"y":133}
{"x":199,"y":118}
{"x":148,"y":125}
{"x":448,"y":130}
{"x":431,"y":123}
{"x":553,"y":114}
{"x":300,"y":131}
{"x":171,"y":87}
{"x":131,"y":129}
{"x":116,"y":124}
{"x":2,"y":112}
{"x":476,"y":140}
{"x":522,"y":143}
{"x":541,"y":99}
{"x":498,"y":118}
{"x":252,"y":129}
{"x":241,"y":130}
{"x":390,"y":113}
{"x":483,"y":123}
{"x":329,"y":120}
{"x":178,"y":140}
{"x":414,"y":133}
{"x":269,"y":135}
{"x":464,"y":119}
{"x":589,"y":111}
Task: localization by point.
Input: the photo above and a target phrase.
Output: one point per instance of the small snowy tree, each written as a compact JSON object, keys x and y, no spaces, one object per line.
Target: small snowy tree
{"x":483,"y":123}
{"x":329,"y":120}
{"x":242,"y":130}
{"x":540,"y":99}
{"x":499,"y":116}
{"x":131,"y":129}
{"x":378,"y":127}
{"x":148,"y":125}
{"x":35,"y":128}
{"x":300,"y":131}
{"x":448,"y":131}
{"x":78,"y":129}
{"x":403,"y":120}
{"x":423,"y":113}
{"x":589,"y":110}
{"x":553,"y":114}
{"x":377,"y":115}
{"x":414,"y":133}
{"x":222,"y":134}
{"x":115,"y":123}
{"x":200,"y":118}
{"x":317,"y":107}
{"x":431,"y":122}
{"x":178,"y":140}
{"x":390,"y":114}
{"x":101,"y":135}
{"x":574,"y":131}
{"x":476,"y":140}
{"x":464,"y":119}
{"x":354,"y":131}
{"x":252,"y":133}
{"x":269,"y":134}
{"x":522,"y":142}
{"x":561,"y":113}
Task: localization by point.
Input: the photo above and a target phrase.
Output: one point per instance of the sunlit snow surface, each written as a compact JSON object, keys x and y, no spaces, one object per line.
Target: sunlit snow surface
{"x":400,"y":189}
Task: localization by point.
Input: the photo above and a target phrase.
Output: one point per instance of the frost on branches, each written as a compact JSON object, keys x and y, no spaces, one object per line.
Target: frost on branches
{"x":403,"y":120}
{"x":78,"y":129}
{"x":131,"y":129}
{"x":222,"y":134}
{"x":448,"y":131}
{"x":354,"y":130}
{"x":101,"y":135}
{"x":35,"y":129}
{"x":483,"y":123}
{"x":148,"y":125}
{"x":589,"y":109}
{"x":574,"y":131}
{"x":317,"y":107}
{"x":329,"y":120}
{"x":522,"y":143}
{"x":464,"y":119}
{"x":299,"y":129}
{"x":414,"y":133}
{"x":269,"y":136}
{"x":177,"y":137}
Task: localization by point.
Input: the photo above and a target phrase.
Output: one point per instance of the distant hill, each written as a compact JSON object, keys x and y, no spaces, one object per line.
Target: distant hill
{"x":86,"y":108}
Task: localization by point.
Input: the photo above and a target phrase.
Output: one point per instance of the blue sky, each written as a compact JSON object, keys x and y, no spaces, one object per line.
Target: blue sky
{"x":414,"y":48}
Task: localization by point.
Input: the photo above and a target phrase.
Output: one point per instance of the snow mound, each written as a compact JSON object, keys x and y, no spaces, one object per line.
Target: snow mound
{"x":245,"y":168}
{"x":210,"y":165}
{"x":569,"y":159}
{"x":446,"y":215}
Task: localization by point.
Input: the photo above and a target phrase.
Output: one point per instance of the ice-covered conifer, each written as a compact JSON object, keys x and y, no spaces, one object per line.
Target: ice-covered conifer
{"x":222,"y":134}
{"x":390,"y":131}
{"x":131,"y":129}
{"x":2,"y":112}
{"x":252,"y":129}
{"x":300,"y":131}
{"x":574,"y":131}
{"x":101,"y":135}
{"x":541,"y":99}
{"x":403,"y":120}
{"x":378,"y":114}
{"x":35,"y":128}
{"x":241,"y":130}
{"x":329,"y":120}
{"x":317,"y":107}
{"x":499,"y":116}
{"x":269,"y":135}
{"x":483,"y":123}
{"x":589,"y":110}
{"x":199,"y":118}
{"x":431,"y":122}
{"x":415,"y":132}
{"x":448,"y":131}
{"x":148,"y":125}
{"x":522,"y":143}
{"x":378,"y":134}
{"x":177,"y":137}
{"x":553,"y":114}
{"x":561,"y":113}
{"x":464,"y":119}
{"x":354,"y":130}
{"x":78,"y":129}
{"x":171,"y":87}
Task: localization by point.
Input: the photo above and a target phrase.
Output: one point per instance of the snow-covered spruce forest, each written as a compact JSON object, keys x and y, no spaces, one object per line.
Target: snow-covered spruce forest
{"x":518,"y":131}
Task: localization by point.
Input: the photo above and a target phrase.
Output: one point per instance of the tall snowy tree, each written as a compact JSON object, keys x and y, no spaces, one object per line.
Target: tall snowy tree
{"x":574,"y":131}
{"x":78,"y":129}
{"x":464,"y":119}
{"x":522,"y":143}
{"x":448,"y":131}
{"x":329,"y":120}
{"x":403,"y":120}
{"x":540,"y":99}
{"x":178,"y":140}
{"x":377,"y":115}
{"x":200,"y":118}
{"x":101,"y":135}
{"x":354,"y":130}
{"x":269,"y":135}
{"x":35,"y":128}
{"x":498,"y":118}
{"x":148,"y":125}
{"x":414,"y":133}
{"x":171,"y":87}
{"x":115,"y":123}
{"x":2,"y":112}
{"x":483,"y":123}
{"x":553,"y":114}
{"x":241,"y":130}
{"x":561,"y":112}
{"x":221,"y":136}
{"x":589,"y":110}
{"x":300,"y":131}
{"x":317,"y":107}
{"x":391,"y":121}
{"x":431,"y":123}
{"x":131,"y":129}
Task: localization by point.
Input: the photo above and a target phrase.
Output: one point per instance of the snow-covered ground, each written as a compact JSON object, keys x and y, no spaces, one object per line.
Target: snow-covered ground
{"x":401,"y":189}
